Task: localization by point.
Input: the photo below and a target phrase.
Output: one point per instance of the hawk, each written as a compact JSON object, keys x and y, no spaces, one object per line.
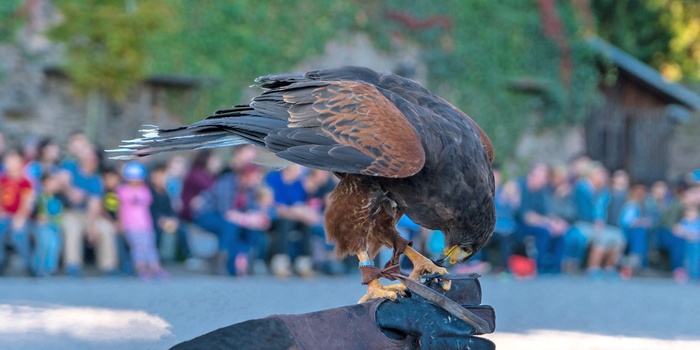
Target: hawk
{"x":397,"y":148}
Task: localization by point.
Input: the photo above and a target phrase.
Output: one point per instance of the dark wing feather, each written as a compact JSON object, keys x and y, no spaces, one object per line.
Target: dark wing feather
{"x":341,"y":124}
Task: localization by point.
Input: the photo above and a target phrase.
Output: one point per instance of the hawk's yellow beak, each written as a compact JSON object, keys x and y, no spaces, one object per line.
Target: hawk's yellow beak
{"x":457,"y":254}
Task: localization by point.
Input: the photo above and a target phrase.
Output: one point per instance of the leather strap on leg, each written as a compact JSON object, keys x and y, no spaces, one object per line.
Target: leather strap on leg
{"x":370,"y":273}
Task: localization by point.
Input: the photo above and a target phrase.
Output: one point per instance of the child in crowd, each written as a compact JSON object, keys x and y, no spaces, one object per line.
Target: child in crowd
{"x":110,"y":205}
{"x":171,"y":237}
{"x":136,"y":222}
{"x":49,"y":210}
{"x":689,"y":229}
{"x":252,"y":212}
{"x":16,"y":198}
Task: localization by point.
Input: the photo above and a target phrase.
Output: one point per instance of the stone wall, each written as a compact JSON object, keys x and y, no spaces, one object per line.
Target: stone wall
{"x":55,"y":110}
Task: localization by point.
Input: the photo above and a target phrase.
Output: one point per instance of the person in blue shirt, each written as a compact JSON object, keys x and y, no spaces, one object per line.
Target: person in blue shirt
{"x":83,"y":215}
{"x":593,"y":201}
{"x":47,"y":229}
{"x":689,"y":229}
{"x":636,"y":223}
{"x":293,"y":226}
{"x":535,"y":219}
{"x":235,"y":208}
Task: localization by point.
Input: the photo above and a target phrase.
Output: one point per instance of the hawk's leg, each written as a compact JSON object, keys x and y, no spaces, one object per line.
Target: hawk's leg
{"x":376,"y":290}
{"x":423,"y":265}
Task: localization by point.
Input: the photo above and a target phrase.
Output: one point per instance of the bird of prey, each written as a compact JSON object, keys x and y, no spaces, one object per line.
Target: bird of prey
{"x":397,"y":148}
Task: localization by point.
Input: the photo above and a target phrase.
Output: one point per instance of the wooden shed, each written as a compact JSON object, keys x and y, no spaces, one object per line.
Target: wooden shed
{"x":635,"y":124}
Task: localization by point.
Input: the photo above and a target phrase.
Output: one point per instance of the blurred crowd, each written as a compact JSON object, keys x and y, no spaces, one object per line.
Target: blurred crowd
{"x":579,"y":218}
{"x":63,"y":207}
{"x":59,"y":208}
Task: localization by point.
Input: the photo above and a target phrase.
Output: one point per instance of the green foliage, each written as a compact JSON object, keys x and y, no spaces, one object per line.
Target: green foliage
{"x":662,"y":33}
{"x":10,"y":19}
{"x":106,"y":41}
{"x":235,"y":42}
{"x":474,"y":65}
{"x":492,"y":46}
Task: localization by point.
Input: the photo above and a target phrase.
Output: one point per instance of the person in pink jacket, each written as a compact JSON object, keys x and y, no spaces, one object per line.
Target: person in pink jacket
{"x":136,"y":221}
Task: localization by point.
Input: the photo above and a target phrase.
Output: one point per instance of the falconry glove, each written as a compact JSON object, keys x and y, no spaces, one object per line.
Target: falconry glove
{"x":405,"y":323}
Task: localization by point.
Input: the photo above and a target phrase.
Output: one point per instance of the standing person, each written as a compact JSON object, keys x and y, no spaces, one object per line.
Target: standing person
{"x":636,"y":223}
{"x":49,"y":212}
{"x":689,"y":229}
{"x":171,"y":238}
{"x":202,"y":175}
{"x":16,"y":201}
{"x":136,"y":222}
{"x":83,"y":216}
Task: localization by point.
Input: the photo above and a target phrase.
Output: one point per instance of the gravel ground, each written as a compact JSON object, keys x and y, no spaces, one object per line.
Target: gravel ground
{"x":545,"y":313}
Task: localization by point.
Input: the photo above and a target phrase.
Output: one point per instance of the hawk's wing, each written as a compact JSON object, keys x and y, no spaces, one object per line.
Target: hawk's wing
{"x":338,"y":125}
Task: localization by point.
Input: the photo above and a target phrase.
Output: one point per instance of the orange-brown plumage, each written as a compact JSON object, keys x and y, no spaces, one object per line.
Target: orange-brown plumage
{"x":359,"y":207}
{"x":355,"y":114}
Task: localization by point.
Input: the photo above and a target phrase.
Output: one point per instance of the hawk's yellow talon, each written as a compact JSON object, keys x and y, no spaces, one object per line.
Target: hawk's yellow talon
{"x":376,"y":290}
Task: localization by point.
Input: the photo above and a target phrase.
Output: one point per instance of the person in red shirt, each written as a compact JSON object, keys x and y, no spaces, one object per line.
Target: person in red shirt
{"x":15,"y":208}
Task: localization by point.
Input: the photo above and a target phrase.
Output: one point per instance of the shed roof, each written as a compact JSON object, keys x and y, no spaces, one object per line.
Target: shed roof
{"x":646,"y":75}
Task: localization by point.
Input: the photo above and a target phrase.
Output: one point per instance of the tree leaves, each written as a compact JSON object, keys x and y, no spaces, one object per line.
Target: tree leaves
{"x":106,"y":41}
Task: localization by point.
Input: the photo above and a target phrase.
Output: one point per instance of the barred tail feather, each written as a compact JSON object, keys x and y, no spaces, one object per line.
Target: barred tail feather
{"x":154,"y":140}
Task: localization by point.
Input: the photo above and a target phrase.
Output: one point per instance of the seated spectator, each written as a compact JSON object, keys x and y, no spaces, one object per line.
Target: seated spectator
{"x":112,"y":179}
{"x":579,"y":166}
{"x":253,"y":212}
{"x":636,"y":224}
{"x":202,"y":175}
{"x":292,"y":229}
{"x":665,"y":238}
{"x":47,"y":230}
{"x":593,"y":202}
{"x":656,"y":202}
{"x":16,"y":201}
{"x":564,"y":214}
{"x":136,"y":222}
{"x":535,"y":219}
{"x":689,"y":229}
{"x":175,"y":173}
{"x":167,"y":225}
{"x":83,"y":216}
{"x":232,"y":209}
{"x":46,"y":162}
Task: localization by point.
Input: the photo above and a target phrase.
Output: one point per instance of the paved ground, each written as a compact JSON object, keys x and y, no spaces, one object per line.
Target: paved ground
{"x":546,"y":313}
